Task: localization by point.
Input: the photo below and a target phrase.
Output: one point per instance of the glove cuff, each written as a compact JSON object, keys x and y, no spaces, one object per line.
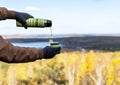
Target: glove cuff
{"x":11,"y":14}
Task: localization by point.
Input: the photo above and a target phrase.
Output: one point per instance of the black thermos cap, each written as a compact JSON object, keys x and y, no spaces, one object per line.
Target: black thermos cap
{"x":48,"y":23}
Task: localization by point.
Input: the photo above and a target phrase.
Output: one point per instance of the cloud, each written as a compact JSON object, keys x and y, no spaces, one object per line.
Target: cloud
{"x":11,"y":8}
{"x":32,"y":8}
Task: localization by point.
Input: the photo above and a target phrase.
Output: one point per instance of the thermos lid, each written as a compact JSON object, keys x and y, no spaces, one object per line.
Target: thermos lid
{"x":48,"y":23}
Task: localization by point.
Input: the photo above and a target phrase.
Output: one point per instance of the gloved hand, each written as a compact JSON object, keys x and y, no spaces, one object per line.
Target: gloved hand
{"x":50,"y":52}
{"x":22,"y":17}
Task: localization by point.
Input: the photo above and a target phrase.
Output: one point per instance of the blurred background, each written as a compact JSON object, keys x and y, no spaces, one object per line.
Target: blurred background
{"x":88,"y":32}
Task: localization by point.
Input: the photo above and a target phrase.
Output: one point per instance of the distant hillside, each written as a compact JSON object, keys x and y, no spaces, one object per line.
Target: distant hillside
{"x":106,"y":43}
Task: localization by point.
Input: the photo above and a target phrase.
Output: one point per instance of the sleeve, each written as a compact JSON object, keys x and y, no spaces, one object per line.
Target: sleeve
{"x":15,"y":54}
{"x":6,"y":14}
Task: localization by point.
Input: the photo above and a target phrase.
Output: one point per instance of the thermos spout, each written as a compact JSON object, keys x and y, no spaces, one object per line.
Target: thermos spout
{"x":48,"y":23}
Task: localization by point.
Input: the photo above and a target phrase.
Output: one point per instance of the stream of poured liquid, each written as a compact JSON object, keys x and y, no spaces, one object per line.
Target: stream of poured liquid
{"x":50,"y":39}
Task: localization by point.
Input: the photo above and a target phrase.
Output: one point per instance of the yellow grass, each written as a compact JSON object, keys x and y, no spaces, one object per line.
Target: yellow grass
{"x":68,"y":68}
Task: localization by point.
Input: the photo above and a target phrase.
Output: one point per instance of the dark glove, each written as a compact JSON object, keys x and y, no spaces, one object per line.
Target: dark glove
{"x":22,"y":17}
{"x":50,"y":52}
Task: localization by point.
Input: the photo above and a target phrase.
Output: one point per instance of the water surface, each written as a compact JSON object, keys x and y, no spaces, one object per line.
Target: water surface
{"x":32,"y":44}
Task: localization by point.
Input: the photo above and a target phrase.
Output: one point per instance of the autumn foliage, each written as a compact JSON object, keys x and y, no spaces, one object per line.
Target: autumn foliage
{"x":68,"y":68}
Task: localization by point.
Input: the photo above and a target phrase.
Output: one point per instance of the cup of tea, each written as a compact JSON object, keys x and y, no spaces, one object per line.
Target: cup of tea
{"x":54,"y":44}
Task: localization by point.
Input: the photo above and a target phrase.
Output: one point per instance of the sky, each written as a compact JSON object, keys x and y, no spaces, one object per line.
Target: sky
{"x":68,"y":16}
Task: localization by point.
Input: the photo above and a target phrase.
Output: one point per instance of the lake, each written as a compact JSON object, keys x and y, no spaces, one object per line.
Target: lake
{"x":32,"y":44}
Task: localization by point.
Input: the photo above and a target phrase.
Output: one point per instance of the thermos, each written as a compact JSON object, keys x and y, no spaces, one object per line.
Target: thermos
{"x":36,"y":22}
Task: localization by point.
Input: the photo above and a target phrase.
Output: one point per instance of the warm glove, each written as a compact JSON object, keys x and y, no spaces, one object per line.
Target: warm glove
{"x":22,"y":17}
{"x":50,"y":52}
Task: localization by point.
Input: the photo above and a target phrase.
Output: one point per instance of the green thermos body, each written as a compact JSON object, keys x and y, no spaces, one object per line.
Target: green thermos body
{"x":36,"y":22}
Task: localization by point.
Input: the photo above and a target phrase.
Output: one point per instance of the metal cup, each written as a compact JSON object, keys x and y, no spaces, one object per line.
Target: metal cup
{"x":54,"y":44}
